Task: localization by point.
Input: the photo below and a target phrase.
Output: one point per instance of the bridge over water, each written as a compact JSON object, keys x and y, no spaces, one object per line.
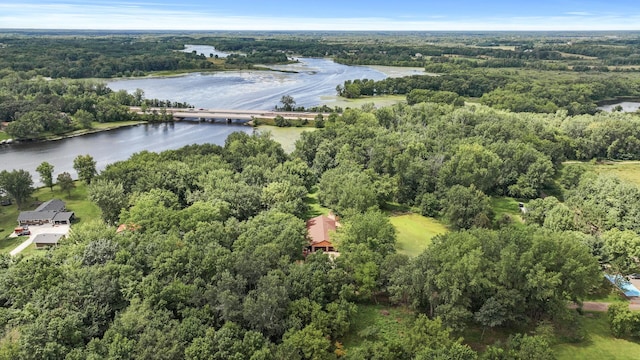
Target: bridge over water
{"x":229,"y":115}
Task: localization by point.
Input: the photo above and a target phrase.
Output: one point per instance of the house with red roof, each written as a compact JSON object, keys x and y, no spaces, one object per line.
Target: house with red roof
{"x":318,"y":231}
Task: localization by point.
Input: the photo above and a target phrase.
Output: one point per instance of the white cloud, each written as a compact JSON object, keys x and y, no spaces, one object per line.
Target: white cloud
{"x":115,"y":16}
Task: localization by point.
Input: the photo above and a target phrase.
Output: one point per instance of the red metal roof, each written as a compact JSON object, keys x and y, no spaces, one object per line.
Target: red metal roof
{"x":318,"y":229}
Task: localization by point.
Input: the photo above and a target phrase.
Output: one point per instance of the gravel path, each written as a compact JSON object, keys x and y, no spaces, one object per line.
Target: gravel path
{"x":603,"y":307}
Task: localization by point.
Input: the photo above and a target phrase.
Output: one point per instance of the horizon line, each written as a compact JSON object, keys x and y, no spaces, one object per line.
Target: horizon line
{"x":317,"y":30}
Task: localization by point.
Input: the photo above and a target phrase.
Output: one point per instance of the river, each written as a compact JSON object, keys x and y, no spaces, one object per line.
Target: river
{"x":113,"y":145}
{"x":306,"y":81}
{"x":309,"y":80}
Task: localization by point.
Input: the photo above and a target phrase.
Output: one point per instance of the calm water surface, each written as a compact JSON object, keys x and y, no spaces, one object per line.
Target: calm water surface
{"x":252,"y":90}
{"x":627,"y":106}
{"x":306,"y":81}
{"x":114,"y":145}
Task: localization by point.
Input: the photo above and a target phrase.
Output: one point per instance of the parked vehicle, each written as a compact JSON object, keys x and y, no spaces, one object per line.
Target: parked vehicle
{"x":22,"y":230}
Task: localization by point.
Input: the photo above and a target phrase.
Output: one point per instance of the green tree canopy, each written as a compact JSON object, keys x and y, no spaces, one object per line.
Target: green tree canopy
{"x":86,"y":167}
{"x":18,"y":184}
{"x":109,"y":197}
{"x":46,"y":174}
{"x":65,"y":182}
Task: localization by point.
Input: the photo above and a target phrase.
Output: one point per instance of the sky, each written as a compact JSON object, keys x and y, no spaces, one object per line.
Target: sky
{"x":345,"y":15}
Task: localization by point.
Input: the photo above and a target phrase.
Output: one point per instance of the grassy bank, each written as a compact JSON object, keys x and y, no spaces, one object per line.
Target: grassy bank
{"x":414,"y":232}
{"x":96,"y":127}
{"x":4,"y":136}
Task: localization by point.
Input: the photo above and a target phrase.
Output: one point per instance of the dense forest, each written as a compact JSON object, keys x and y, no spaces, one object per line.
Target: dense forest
{"x":521,"y":91}
{"x":212,"y":266}
{"x":37,"y":107}
{"x":82,"y":56}
{"x":210,"y":262}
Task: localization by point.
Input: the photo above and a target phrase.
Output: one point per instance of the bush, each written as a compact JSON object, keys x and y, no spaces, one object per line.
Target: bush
{"x":623,"y":322}
{"x":429,"y":205}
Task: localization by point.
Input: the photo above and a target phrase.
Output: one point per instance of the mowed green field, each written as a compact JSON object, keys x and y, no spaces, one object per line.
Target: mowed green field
{"x":414,"y":232}
{"x":286,"y":136}
{"x":378,"y":101}
{"x":625,"y":170}
{"x":600,"y":343}
{"x":507,"y":206}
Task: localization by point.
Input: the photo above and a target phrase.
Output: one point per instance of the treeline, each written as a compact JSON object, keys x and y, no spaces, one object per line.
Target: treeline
{"x":432,"y":157}
{"x":34,"y":107}
{"x":379,"y":50}
{"x":85,"y":55}
{"x":612,"y":52}
{"x":509,"y":91}
{"x":469,"y":85}
{"x":264,"y":57}
{"x":90,"y":57}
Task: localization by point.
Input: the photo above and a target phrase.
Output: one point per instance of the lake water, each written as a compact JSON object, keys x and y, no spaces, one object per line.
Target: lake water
{"x":114,"y":145}
{"x":205,"y":50}
{"x":627,"y":106}
{"x":252,"y":90}
{"x":313,"y":78}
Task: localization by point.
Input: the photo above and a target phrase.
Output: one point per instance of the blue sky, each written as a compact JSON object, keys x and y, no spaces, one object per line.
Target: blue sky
{"x":322,"y":15}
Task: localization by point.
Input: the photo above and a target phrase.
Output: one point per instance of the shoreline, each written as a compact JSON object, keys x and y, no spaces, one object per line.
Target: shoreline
{"x":79,"y":133}
{"x":262,"y":126}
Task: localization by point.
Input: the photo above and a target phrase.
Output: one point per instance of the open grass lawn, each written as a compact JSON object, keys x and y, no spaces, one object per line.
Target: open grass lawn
{"x":506,"y":205}
{"x":377,"y":322}
{"x":32,"y":251}
{"x":625,"y":170}
{"x":378,"y":101}
{"x":113,"y":125}
{"x":414,"y":232}
{"x":4,"y":135}
{"x":600,"y":343}
{"x":8,"y":244}
{"x":77,"y":202}
{"x":8,"y":222}
{"x":286,"y":136}
{"x":315,"y":209}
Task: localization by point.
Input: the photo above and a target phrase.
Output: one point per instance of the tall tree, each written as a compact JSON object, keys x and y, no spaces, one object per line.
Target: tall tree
{"x":110,"y":198}
{"x":288,"y":103}
{"x":84,"y":119}
{"x":46,"y":174}
{"x":18,"y":184}
{"x":86,"y":167}
{"x":466,"y":207}
{"x":65,"y":182}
